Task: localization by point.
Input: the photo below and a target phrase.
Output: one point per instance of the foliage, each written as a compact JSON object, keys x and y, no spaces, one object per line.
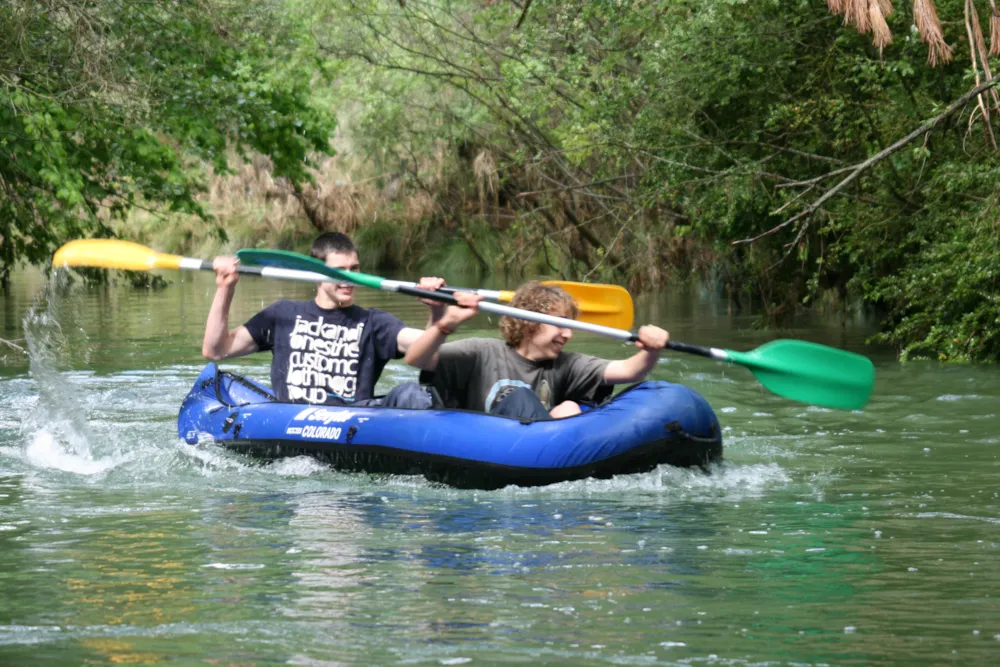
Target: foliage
{"x":657,"y":138}
{"x":759,"y":144}
{"x":104,"y":105}
{"x":944,"y":302}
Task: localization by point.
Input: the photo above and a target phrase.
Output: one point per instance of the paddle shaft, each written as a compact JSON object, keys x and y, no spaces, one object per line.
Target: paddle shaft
{"x":264,"y":271}
{"x":610,"y":332}
{"x":277,"y":258}
{"x":309,"y":276}
{"x":444,"y":295}
{"x":498,"y":309}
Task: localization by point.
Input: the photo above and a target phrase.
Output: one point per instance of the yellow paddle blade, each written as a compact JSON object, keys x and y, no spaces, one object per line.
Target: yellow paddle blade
{"x":113,"y":254}
{"x":607,"y":305}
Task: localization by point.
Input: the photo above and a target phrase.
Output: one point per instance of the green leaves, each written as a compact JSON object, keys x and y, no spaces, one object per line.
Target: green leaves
{"x":95,"y":120}
{"x":633,"y":140}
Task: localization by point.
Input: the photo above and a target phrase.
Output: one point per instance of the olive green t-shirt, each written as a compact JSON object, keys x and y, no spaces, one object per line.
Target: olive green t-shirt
{"x":470,"y":372}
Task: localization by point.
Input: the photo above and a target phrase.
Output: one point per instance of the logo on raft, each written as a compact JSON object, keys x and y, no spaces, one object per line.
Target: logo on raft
{"x":318,"y":432}
{"x":323,"y":415}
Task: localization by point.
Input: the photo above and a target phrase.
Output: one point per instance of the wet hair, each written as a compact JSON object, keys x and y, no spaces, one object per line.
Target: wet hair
{"x":328,"y":242}
{"x":541,"y":299}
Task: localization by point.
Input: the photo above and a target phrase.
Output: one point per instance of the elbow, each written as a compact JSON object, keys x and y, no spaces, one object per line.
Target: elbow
{"x":211,"y":354}
{"x":419,"y":361}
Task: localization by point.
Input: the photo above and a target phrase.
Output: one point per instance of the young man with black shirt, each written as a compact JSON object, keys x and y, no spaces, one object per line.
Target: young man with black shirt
{"x":325,"y":351}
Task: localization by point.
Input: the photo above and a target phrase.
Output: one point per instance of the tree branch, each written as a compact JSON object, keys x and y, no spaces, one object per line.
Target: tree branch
{"x":524,"y":14}
{"x":860,"y":168}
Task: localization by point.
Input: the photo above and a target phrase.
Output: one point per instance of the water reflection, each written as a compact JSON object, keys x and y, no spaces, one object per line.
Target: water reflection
{"x":327,"y":532}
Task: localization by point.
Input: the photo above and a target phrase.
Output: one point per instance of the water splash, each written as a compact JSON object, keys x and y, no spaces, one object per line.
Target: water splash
{"x":723,"y":481}
{"x":55,"y":433}
{"x":47,"y":451}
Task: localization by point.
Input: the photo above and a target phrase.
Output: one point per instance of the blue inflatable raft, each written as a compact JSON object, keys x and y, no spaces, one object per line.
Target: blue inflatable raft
{"x":646,"y":425}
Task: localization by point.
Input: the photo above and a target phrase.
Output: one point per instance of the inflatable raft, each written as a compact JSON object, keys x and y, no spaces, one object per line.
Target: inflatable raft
{"x":644,"y":426}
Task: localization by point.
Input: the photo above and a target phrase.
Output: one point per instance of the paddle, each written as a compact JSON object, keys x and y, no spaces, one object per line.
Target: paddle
{"x":128,"y":256}
{"x":794,"y":369}
{"x":607,"y":305}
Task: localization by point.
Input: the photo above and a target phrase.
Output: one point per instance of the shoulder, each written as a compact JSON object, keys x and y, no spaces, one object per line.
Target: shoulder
{"x":577,"y":359}
{"x":474,"y":344}
{"x":281,"y":307}
{"x":381,"y":318}
{"x":469,"y":347}
{"x":288,"y":304}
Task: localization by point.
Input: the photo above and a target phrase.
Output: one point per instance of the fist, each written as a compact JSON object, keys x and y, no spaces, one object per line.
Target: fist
{"x":432,"y":285}
{"x":226,"y":273}
{"x":652,"y":338}
{"x":468,"y":306}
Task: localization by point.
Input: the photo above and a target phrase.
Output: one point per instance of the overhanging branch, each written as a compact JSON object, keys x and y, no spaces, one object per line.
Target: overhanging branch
{"x":856,"y":170}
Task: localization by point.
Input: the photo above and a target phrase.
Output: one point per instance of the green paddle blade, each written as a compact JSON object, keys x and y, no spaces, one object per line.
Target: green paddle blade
{"x":811,"y":373}
{"x":293,"y":260}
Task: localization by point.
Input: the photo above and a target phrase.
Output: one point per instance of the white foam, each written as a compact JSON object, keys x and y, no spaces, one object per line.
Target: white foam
{"x":45,"y":451}
{"x":298,"y":466}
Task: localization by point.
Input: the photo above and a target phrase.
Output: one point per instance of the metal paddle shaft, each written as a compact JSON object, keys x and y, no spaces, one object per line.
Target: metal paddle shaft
{"x":606,"y":305}
{"x":294,"y":260}
{"x":128,"y":256}
{"x":282,"y":258}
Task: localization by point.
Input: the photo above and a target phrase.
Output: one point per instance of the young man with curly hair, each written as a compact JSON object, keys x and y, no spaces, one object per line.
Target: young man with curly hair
{"x":527,"y":374}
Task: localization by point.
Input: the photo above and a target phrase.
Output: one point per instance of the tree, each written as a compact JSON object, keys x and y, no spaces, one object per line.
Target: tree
{"x":108,"y":104}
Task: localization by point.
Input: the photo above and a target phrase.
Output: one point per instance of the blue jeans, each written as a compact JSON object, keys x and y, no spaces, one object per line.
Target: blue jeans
{"x":407,"y":396}
{"x":521,"y":403}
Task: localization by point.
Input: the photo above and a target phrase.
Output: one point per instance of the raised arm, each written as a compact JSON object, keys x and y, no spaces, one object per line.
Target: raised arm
{"x":423,"y":352}
{"x":408,"y":335}
{"x":219,"y":342}
{"x":652,"y":340}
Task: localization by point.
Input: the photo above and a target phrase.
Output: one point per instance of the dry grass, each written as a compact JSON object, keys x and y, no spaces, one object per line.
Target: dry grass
{"x":441,"y":215}
{"x":251,"y":208}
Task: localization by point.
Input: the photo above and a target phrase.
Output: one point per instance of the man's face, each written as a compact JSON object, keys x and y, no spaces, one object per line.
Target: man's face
{"x":342,"y":294}
{"x":547,"y":341}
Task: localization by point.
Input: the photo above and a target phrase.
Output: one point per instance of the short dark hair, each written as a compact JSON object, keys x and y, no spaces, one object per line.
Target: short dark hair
{"x":328,"y":242}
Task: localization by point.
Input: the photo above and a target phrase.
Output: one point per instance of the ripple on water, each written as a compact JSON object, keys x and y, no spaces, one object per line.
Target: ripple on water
{"x":724,"y":481}
{"x":949,"y":515}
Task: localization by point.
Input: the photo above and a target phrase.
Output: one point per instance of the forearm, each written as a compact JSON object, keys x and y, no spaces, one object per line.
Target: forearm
{"x":217,"y":327}
{"x":433,"y":315}
{"x":633,"y":369}
{"x":409,"y":335}
{"x":423,"y":351}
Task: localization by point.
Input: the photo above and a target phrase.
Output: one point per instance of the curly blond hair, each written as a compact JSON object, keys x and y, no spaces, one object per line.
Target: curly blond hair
{"x":540,"y":299}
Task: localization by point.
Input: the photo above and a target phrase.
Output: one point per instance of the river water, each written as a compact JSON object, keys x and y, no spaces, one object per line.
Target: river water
{"x":825,"y":537}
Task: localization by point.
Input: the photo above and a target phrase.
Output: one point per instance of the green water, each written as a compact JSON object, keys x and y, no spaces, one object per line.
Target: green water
{"x":825,"y":537}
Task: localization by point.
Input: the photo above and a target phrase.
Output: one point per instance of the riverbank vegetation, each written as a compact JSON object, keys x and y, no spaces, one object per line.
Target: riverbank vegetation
{"x":791,"y":153}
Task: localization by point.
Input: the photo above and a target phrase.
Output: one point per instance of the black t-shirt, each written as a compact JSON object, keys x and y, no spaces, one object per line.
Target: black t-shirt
{"x":325,"y":356}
